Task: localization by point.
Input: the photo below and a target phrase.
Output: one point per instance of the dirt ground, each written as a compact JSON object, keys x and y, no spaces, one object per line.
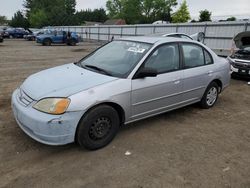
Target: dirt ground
{"x":188,"y":147}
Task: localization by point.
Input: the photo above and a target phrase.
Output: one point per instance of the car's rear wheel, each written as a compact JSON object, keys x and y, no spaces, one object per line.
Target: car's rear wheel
{"x":72,"y":42}
{"x":47,"y":42}
{"x":98,"y":127}
{"x":210,"y":96}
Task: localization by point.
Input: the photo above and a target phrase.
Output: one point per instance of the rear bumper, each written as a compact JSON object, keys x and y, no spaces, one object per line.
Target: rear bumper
{"x":45,"y":128}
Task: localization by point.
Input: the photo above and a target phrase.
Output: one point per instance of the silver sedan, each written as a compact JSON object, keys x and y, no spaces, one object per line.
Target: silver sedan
{"x":123,"y":81}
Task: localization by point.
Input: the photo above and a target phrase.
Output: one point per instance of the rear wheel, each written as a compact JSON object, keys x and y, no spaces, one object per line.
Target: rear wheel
{"x":210,"y":96}
{"x":47,"y":42}
{"x":98,"y":127}
{"x":72,"y":42}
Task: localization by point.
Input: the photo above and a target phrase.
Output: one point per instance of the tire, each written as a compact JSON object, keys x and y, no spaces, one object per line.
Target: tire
{"x":46,"y":42}
{"x":72,"y":42}
{"x":98,"y":127}
{"x":210,"y":96}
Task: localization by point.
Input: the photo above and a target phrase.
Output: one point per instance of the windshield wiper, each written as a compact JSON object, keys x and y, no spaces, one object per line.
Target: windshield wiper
{"x":98,"y":69}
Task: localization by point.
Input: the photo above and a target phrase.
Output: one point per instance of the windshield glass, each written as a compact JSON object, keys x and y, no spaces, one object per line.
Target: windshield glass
{"x":117,"y":58}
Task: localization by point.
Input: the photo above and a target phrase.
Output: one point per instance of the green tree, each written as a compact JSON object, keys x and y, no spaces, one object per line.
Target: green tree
{"x":205,"y":16}
{"x":70,"y":7}
{"x":3,"y":20}
{"x":141,"y":11}
{"x":231,"y":19}
{"x":131,"y":11}
{"x":115,"y":8}
{"x":97,"y":15}
{"x":182,"y":15}
{"x":38,"y":19}
{"x":56,"y":12}
{"x":18,"y":20}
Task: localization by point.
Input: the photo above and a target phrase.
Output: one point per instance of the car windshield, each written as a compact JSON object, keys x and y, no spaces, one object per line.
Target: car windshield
{"x":116,"y":58}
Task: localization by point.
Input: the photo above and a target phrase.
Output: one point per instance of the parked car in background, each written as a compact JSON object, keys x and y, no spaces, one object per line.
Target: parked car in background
{"x":5,"y":34}
{"x":16,"y":32}
{"x":58,"y":37}
{"x":124,"y":81}
{"x":240,"y":57}
{"x":197,"y":36}
{"x":32,"y":36}
{"x":1,"y":37}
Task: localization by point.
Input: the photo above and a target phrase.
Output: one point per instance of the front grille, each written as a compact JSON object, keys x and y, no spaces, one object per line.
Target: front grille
{"x":242,"y":65}
{"x":23,"y":98}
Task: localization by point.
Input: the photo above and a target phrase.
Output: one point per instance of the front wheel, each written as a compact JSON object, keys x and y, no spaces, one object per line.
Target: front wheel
{"x":98,"y":127}
{"x":71,"y":42}
{"x":210,"y":96}
{"x":47,"y":42}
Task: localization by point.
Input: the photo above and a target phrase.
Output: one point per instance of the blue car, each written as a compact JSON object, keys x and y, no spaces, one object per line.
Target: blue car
{"x":58,"y":37}
{"x":16,"y":32}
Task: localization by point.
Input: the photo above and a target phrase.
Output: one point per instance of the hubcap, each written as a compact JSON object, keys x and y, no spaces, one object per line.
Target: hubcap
{"x":212,"y":96}
{"x":100,"y":128}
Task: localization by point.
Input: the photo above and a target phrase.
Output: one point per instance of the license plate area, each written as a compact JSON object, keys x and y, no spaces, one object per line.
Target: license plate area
{"x":242,"y":71}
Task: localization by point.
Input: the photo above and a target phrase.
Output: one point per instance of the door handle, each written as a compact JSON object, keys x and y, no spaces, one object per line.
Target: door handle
{"x":210,"y":72}
{"x":176,"y":81}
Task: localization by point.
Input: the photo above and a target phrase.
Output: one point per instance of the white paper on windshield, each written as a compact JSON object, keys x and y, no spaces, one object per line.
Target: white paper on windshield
{"x":136,"y":50}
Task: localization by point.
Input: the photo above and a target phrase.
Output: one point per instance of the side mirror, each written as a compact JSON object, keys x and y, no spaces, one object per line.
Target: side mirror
{"x":146,"y":72}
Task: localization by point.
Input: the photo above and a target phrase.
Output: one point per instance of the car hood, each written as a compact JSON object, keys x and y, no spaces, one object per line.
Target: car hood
{"x":238,"y":39}
{"x":62,"y":81}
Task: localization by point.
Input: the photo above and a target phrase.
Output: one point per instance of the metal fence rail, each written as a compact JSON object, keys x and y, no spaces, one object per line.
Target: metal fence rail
{"x":218,"y":36}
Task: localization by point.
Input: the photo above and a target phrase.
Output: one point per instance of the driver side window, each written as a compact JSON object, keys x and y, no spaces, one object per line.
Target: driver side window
{"x":164,"y":59}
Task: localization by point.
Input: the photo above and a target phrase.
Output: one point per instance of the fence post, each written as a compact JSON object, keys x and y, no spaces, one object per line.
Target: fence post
{"x":82,"y":36}
{"x":205,"y":32}
{"x":98,"y":33}
{"x":177,"y":28}
{"x":246,"y":25}
{"x":89,"y":34}
{"x":108,"y":33}
{"x":136,"y":30}
{"x":154,"y":29}
{"x":121,"y":31}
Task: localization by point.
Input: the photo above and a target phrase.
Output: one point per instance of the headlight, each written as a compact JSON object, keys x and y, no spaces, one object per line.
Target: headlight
{"x":52,"y":105}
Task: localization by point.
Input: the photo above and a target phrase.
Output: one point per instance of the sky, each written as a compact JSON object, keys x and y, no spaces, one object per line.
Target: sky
{"x":219,"y":8}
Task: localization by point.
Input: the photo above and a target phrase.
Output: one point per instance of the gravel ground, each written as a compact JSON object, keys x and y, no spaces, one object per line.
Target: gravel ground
{"x":188,"y":147}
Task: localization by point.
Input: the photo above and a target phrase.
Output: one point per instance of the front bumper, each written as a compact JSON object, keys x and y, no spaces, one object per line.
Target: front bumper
{"x":45,"y":128}
{"x":243,"y":72}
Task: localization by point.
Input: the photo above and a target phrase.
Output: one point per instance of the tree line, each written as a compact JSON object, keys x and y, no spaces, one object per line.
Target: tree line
{"x":40,"y":13}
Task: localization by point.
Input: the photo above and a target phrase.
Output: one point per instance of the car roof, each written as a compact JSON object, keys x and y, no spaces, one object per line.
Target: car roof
{"x":154,"y":39}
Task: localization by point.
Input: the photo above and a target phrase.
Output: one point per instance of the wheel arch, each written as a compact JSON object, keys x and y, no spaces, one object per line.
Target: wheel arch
{"x":117,"y":107}
{"x":219,"y":83}
{"x":47,"y":38}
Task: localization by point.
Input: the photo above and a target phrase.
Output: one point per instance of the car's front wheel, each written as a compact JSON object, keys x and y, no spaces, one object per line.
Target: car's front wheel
{"x":210,"y":96}
{"x":47,"y":42}
{"x":98,"y":127}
